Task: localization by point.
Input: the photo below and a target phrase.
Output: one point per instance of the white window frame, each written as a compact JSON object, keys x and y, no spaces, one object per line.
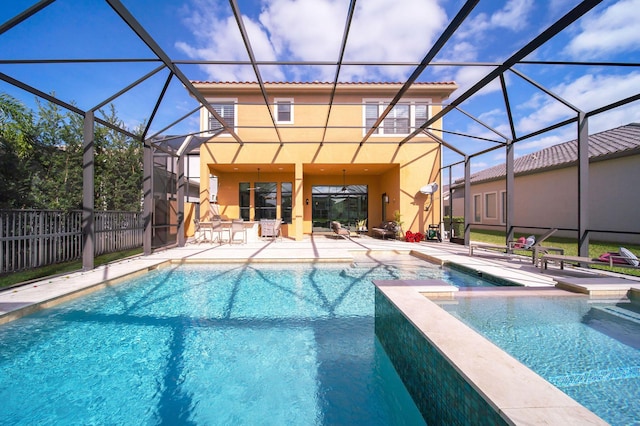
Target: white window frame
{"x":276,"y":112}
{"x":487,"y":204}
{"x":207,"y":116}
{"x":477,"y":208}
{"x":382,"y":105}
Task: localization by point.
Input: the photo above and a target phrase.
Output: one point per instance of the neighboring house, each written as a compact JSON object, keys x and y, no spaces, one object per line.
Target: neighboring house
{"x":285,"y":164}
{"x":546,"y":188}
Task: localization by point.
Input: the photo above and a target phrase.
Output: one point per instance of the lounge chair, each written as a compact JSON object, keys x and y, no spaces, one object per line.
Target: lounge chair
{"x":339,"y":230}
{"x":362,"y":227}
{"x":625,"y":259}
{"x":534,"y":246}
{"x":386,"y":229}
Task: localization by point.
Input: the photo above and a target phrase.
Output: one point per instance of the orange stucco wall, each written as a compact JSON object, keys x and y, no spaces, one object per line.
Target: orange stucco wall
{"x":304,"y":155}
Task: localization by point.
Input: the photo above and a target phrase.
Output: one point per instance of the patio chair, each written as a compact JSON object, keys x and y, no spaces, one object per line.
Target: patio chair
{"x":535,"y":246}
{"x":213,"y":228}
{"x":270,"y":228}
{"x":237,"y":227}
{"x":339,"y":230}
{"x":200,"y":232}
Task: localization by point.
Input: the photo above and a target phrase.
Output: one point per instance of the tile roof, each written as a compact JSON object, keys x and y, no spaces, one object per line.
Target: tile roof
{"x":620,"y":141}
{"x":319,"y":83}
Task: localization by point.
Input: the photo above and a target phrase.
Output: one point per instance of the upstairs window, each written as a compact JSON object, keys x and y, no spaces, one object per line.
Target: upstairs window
{"x":227,"y":111}
{"x":284,"y":111}
{"x":403,"y":119}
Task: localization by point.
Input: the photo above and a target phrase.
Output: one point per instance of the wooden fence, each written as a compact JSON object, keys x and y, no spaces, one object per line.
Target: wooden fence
{"x":34,"y":238}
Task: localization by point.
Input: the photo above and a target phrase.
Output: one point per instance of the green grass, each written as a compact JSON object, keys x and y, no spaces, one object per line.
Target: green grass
{"x":61,"y":268}
{"x":570,"y":246}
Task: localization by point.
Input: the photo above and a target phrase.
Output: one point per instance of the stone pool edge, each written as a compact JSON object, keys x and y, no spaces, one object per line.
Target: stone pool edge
{"x":467,"y":375}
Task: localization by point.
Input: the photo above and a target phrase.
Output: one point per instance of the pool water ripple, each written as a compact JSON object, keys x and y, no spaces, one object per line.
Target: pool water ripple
{"x":235,"y":344}
{"x":576,"y":344}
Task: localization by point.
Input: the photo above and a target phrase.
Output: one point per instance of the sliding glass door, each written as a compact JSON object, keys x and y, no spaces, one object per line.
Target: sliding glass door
{"x":344,"y":204}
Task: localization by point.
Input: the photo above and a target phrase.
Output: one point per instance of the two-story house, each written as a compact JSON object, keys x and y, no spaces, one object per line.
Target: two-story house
{"x":309,"y":153}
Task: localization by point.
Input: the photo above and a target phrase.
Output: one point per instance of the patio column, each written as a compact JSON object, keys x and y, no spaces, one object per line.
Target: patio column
{"x":298,"y":202}
{"x":467,"y":199}
{"x":147,"y":203}
{"x":583,"y":184}
{"x":88,"y":169}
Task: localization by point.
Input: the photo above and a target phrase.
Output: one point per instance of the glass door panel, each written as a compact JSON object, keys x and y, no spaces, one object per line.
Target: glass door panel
{"x":331,"y":203}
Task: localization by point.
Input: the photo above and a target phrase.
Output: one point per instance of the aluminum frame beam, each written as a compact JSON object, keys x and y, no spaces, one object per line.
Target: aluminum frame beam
{"x":529,"y":48}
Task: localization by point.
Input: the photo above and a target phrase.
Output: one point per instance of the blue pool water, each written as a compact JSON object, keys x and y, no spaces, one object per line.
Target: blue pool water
{"x":589,"y":350}
{"x":203,"y":345}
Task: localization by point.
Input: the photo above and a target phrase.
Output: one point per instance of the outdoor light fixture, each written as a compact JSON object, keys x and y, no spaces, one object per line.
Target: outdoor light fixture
{"x":307,"y":201}
{"x":385,"y":198}
{"x":429,"y":189}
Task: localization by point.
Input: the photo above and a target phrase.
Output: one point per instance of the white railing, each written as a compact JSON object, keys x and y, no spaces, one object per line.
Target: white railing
{"x":35,"y":238}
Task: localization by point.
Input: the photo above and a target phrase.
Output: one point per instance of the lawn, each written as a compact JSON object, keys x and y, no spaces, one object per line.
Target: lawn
{"x":61,"y":268}
{"x":570,"y":246}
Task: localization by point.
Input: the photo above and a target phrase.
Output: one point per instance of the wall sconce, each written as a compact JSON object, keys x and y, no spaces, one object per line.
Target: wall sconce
{"x":307,"y":201}
{"x":385,"y":198}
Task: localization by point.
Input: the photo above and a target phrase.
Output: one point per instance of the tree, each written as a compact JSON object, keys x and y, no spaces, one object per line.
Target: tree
{"x":41,"y":160}
{"x":18,"y":143}
{"x":119,"y":167}
{"x":57,"y":184}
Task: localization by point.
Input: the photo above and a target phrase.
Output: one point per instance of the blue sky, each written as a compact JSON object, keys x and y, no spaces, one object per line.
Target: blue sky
{"x":311,"y":30}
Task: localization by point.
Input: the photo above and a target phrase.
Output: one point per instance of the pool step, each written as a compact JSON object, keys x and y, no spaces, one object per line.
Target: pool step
{"x":621,"y":313}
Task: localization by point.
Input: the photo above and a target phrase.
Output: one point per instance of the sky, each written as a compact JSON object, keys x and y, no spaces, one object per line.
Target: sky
{"x":312,"y":30}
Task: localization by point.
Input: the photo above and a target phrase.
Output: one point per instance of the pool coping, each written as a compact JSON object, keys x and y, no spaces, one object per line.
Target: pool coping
{"x":518,"y":394}
{"x":16,"y":302}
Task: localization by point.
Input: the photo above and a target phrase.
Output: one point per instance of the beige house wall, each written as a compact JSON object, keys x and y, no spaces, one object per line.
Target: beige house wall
{"x":301,"y":158}
{"x":549,"y":199}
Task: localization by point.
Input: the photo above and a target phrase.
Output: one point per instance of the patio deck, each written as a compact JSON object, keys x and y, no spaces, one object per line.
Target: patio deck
{"x":23,"y":300}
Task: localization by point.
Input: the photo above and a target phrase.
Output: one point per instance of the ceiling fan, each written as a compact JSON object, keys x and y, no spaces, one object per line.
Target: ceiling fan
{"x":258,"y":180}
{"x":344,"y":182}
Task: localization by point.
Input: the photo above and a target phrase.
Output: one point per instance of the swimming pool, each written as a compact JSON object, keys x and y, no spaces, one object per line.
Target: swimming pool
{"x":195,"y":344}
{"x":588,"y":349}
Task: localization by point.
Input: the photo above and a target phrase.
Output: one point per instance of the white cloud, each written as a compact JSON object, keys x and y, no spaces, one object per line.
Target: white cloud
{"x":613,"y":31}
{"x":466,"y":77}
{"x":513,"y":16}
{"x":217,"y":37}
{"x":309,"y":30}
{"x":312,"y":30}
{"x":587,"y":92}
{"x":526,"y":147}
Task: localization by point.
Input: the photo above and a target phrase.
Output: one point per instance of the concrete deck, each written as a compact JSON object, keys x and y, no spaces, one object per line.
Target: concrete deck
{"x":23,"y":300}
